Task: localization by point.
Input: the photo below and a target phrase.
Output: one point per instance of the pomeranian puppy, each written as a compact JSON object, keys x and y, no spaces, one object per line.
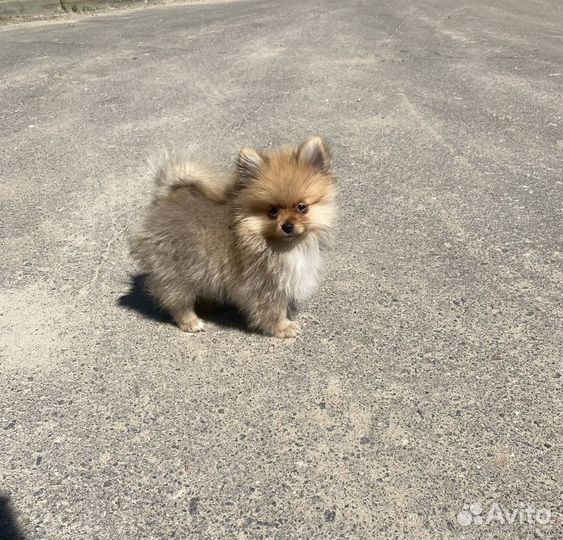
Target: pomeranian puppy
{"x":253,"y":238}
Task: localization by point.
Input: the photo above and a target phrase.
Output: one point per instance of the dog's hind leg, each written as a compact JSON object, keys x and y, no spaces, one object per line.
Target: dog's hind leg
{"x":187,"y":320}
{"x":179,"y":303}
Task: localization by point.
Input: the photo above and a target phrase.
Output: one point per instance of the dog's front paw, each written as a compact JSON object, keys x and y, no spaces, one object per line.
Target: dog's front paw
{"x":287,"y":329}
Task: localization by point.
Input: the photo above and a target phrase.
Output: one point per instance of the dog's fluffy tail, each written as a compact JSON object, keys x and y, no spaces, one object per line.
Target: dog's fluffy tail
{"x":175,"y":170}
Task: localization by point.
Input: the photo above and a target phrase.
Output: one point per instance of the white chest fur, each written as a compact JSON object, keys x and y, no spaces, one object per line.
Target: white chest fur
{"x":302,"y":268}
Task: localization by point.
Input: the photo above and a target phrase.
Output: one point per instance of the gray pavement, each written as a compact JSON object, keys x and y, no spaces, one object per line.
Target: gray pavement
{"x":428,"y":373}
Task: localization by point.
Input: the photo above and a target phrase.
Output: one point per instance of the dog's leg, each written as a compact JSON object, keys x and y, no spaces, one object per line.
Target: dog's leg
{"x":186,"y":319}
{"x":178,"y":302}
{"x":284,"y":328}
{"x":271,"y":318}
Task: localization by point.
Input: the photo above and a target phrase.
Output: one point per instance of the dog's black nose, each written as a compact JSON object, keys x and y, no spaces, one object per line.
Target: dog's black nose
{"x":287,"y":228}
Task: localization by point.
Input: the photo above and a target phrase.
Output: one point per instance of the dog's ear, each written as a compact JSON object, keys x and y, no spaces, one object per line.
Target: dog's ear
{"x":249,"y":164}
{"x":314,"y":153}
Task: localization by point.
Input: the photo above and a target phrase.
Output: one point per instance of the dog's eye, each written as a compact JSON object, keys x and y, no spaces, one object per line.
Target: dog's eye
{"x":302,"y":208}
{"x":273,"y":212}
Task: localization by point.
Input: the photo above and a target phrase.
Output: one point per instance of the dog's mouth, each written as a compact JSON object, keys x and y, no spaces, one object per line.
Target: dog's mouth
{"x":287,"y":237}
{"x":286,"y":242}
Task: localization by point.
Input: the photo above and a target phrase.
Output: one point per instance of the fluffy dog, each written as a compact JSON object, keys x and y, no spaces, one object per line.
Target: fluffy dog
{"x":253,"y":238}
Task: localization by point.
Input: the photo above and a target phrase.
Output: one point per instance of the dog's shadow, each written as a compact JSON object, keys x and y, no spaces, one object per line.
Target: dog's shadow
{"x":137,"y":299}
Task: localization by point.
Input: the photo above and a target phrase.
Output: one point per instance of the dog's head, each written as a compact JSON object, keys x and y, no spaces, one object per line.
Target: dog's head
{"x":286,"y":194}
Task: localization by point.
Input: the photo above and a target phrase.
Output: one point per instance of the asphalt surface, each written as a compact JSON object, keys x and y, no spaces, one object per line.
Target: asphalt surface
{"x":428,"y":373}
